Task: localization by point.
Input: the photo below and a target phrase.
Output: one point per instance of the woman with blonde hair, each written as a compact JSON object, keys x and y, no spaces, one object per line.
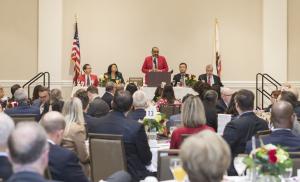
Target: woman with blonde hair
{"x":75,"y":133}
{"x":193,"y":120}
{"x":205,"y":157}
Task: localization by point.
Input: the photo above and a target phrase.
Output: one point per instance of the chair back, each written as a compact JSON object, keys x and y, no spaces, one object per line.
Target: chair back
{"x":170,"y":109}
{"x":295,"y":156}
{"x":23,"y":117}
{"x":263,"y":133}
{"x":107,"y":155}
{"x":164,"y":158}
{"x":138,"y":81}
{"x":47,"y":174}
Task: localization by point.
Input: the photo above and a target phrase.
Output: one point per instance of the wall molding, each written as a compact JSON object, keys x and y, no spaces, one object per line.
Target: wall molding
{"x":68,"y":83}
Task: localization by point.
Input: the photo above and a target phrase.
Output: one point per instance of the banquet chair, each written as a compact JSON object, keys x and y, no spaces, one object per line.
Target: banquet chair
{"x":170,"y":109}
{"x":47,"y":174}
{"x":263,"y":133}
{"x":163,"y":163}
{"x":107,"y":155}
{"x":23,"y":117}
{"x":295,"y":156}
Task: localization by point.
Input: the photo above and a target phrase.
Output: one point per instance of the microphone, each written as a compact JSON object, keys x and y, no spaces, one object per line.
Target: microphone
{"x":155,"y":63}
{"x":171,"y":71}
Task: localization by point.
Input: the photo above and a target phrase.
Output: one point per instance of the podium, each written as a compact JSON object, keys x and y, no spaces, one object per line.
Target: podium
{"x":155,"y":78}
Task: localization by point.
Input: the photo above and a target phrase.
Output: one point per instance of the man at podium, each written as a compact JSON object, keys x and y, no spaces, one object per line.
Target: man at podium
{"x":154,"y":63}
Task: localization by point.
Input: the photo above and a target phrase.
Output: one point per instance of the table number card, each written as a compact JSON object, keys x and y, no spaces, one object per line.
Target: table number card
{"x":151,"y":112}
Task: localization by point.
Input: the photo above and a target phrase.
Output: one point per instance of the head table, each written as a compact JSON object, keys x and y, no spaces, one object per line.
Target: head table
{"x":180,"y":92}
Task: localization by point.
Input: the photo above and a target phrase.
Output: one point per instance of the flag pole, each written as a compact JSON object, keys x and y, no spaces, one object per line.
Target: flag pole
{"x":215,"y":49}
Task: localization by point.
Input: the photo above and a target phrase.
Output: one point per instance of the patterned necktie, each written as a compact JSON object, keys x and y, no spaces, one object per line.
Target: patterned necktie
{"x":209,"y":80}
{"x":88,"y":82}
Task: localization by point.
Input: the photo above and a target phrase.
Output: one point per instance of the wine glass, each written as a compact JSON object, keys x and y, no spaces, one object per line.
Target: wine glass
{"x":177,"y":170}
{"x":239,"y":165}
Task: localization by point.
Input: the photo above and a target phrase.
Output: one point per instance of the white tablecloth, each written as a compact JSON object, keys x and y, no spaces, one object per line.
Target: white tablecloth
{"x":154,"y":150}
{"x":179,"y":91}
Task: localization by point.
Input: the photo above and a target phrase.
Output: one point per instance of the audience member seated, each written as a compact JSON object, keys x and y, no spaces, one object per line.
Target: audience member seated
{"x":231,"y":108}
{"x":175,"y":120}
{"x":11,"y":102}
{"x":167,"y":97}
{"x":28,"y":152}
{"x":157,"y":94}
{"x":282,"y":117}
{"x":201,"y":88}
{"x":97,"y":106}
{"x":139,"y":105}
{"x":3,"y":98}
{"x":113,"y":74}
{"x":6,"y":127}
{"x":21,"y":97}
{"x":137,"y":149}
{"x":44,"y":100}
{"x":63,"y":163}
{"x":209,"y":102}
{"x":205,"y":157}
{"x":56,"y":100}
{"x":109,"y":93}
{"x":239,"y":131}
{"x":209,"y":77}
{"x":35,"y":100}
{"x":274,"y":95}
{"x":89,"y":120}
{"x":193,"y":121}
{"x":131,"y":87}
{"x":75,"y":133}
{"x":223,"y":102}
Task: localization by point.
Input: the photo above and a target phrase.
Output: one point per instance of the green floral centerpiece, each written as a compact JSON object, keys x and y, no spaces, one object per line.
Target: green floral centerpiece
{"x":191,"y":80}
{"x":269,"y":160}
{"x":155,"y":123}
{"x":103,"y":79}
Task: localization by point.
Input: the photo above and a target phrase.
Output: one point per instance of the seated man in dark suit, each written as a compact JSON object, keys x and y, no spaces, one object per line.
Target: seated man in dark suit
{"x":223,"y":102}
{"x":6,"y":127}
{"x":89,"y":120}
{"x":210,"y":78}
{"x":97,"y":107}
{"x":109,"y":93}
{"x":282,"y":117}
{"x":137,"y":149}
{"x":63,"y":163}
{"x":240,"y":130}
{"x":28,"y":151}
{"x":139,"y":104}
{"x":181,"y":76}
{"x":23,"y":107}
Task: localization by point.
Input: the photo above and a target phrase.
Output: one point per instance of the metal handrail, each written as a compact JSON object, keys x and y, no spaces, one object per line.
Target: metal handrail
{"x":264,"y":76}
{"x":36,"y":77}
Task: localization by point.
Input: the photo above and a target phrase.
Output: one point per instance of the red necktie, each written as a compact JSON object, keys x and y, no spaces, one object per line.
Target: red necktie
{"x":209,"y":81}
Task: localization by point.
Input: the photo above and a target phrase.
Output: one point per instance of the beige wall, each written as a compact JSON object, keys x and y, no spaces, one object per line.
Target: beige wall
{"x":293,"y":40}
{"x":18,"y":39}
{"x":124,"y":32}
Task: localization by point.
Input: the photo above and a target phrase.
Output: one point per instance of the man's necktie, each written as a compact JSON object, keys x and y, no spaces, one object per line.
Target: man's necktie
{"x":209,"y":80}
{"x":88,"y":82}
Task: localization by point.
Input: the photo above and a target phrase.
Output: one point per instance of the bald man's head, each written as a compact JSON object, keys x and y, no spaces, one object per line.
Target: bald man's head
{"x":282,"y":115}
{"x":53,"y":121}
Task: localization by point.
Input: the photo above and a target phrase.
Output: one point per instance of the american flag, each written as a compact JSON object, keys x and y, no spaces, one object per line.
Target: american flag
{"x":217,"y":50}
{"x":75,"y":57}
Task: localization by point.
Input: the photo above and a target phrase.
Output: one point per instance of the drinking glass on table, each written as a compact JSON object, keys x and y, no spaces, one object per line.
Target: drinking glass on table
{"x":239,"y":165}
{"x":177,"y":170}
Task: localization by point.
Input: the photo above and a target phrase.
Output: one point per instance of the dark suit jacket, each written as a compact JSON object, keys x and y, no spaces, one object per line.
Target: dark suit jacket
{"x":221,"y":106}
{"x":64,"y":165}
{"x":108,"y":97}
{"x":26,"y":177}
{"x":5,"y":168}
{"x":23,"y":108}
{"x":137,"y":114}
{"x":217,"y":80}
{"x":284,"y":138}
{"x":239,"y":131}
{"x":90,"y":121}
{"x":137,"y":149}
{"x":98,"y":107}
{"x":177,"y":77}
